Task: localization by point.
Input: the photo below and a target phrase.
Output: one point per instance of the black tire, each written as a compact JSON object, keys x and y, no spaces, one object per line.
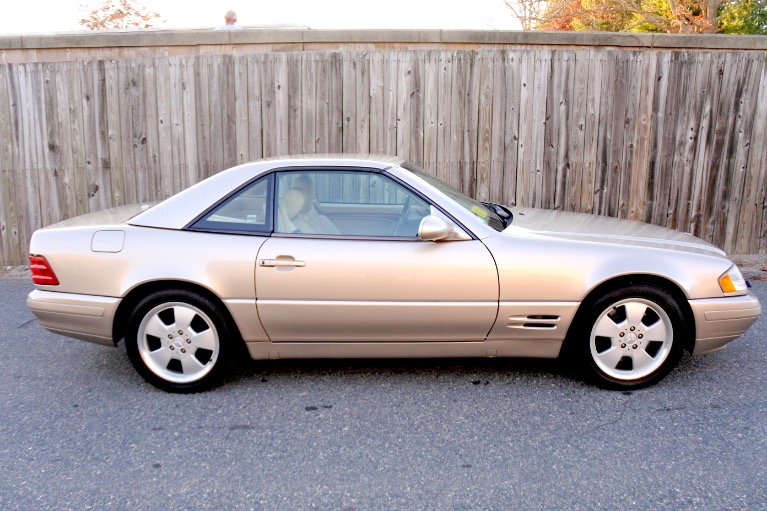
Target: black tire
{"x":628,"y":338}
{"x":179,"y":341}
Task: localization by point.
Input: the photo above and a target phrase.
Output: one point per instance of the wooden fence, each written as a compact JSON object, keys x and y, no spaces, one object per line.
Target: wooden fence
{"x":673,"y":137}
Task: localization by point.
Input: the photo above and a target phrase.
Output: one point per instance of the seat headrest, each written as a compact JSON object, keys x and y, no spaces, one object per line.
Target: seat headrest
{"x":295,"y":202}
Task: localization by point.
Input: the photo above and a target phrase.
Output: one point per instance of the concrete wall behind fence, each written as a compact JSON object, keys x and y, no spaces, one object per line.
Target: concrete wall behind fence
{"x":666,"y":129}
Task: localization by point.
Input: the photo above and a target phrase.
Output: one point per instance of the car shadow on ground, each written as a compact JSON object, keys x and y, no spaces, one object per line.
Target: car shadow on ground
{"x":472,"y":371}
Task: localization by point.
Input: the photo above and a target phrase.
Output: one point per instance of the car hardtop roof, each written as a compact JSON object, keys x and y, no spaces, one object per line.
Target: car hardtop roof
{"x":176,"y":211}
{"x":347,"y":160}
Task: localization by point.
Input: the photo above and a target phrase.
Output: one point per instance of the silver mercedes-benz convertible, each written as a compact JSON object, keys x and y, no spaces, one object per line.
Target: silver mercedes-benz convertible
{"x":372,"y":257}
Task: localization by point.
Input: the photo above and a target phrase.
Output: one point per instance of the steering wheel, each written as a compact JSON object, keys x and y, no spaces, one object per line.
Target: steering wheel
{"x":403,"y":215}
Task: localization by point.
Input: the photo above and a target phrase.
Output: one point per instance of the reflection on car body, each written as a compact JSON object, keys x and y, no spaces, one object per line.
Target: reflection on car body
{"x":372,"y":257}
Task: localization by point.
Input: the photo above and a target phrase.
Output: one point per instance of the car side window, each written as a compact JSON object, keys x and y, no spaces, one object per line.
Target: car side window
{"x":346,"y":203}
{"x":245,"y":211}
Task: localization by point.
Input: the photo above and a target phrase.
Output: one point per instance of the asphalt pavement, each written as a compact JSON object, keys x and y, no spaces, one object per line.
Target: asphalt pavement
{"x":79,"y":429}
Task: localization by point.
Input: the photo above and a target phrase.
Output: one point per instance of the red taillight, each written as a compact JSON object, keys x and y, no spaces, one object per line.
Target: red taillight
{"x":42,"y":273}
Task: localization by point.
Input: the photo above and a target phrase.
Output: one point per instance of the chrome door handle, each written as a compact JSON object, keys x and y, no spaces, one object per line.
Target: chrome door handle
{"x":271,"y":263}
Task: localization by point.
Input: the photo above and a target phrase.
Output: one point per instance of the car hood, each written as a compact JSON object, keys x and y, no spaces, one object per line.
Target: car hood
{"x":112,"y":216}
{"x":602,"y":229}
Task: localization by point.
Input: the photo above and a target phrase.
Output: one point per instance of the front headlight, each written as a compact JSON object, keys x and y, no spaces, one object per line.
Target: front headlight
{"x":732,"y":281}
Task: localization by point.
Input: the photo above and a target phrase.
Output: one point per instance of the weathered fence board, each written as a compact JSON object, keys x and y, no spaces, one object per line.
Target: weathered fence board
{"x":674,"y":137}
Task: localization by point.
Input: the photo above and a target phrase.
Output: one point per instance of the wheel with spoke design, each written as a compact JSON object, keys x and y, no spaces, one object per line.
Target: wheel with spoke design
{"x":633,"y":337}
{"x":177,"y":341}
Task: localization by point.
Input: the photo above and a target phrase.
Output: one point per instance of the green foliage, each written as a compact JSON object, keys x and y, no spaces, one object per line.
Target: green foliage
{"x":743,"y":17}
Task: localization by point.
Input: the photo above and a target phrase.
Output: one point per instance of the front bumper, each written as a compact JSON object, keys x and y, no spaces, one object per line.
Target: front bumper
{"x":720,"y":320}
{"x":84,"y":317}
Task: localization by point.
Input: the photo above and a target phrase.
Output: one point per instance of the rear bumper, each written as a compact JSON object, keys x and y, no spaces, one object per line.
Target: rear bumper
{"x":721,"y":320}
{"x":84,"y":317}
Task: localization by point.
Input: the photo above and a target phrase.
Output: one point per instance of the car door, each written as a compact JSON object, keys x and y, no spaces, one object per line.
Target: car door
{"x":360,"y":274}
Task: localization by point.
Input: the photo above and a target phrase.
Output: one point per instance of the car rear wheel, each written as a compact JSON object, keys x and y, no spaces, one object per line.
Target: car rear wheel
{"x":177,"y":341}
{"x":631,"y":337}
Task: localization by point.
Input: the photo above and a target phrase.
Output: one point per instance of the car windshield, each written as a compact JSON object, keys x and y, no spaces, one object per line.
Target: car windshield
{"x":476,"y":208}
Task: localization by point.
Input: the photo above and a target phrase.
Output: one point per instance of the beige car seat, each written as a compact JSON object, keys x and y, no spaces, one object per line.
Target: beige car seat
{"x":311,"y":214}
{"x":289,"y":206}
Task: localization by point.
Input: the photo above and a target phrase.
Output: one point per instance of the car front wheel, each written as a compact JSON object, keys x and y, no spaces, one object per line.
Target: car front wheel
{"x":631,"y":337}
{"x":176,"y":340}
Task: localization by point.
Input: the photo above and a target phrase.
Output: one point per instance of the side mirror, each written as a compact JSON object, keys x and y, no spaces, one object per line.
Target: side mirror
{"x":433,"y":228}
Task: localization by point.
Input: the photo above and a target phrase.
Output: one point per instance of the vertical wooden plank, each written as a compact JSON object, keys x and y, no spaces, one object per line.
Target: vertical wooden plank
{"x":694,"y":97}
{"x":403,"y":100}
{"x":444,"y":114}
{"x":240,"y":113}
{"x":227,"y":80}
{"x":631,"y":123}
{"x":27,"y":161}
{"x":322,"y":106}
{"x":546,"y":188}
{"x":75,"y":105}
{"x":10,"y":244}
{"x":255,"y":108}
{"x":390,"y":103}
{"x":541,"y":88}
{"x":175,"y":128}
{"x":662,"y":148}
{"x":589,"y":185}
{"x":641,"y":165}
{"x":39,"y":138}
{"x":751,"y":235}
{"x":431,"y":112}
{"x":55,"y":206}
{"x":577,"y":129}
{"x":349,"y":102}
{"x":525,"y":166}
{"x":129,"y":118}
{"x":56,"y":175}
{"x":103,"y":177}
{"x":471,"y":100}
{"x":150,"y":130}
{"x":746,"y":102}
{"x":683,"y":83}
{"x":458,"y":120}
{"x":335,"y":139}
{"x":203,"y":122}
{"x":561,"y":119}
{"x":363,"y":103}
{"x":497,"y":135}
{"x":710,"y":81}
{"x":377,"y":95}
{"x":217,"y":120}
{"x":723,"y":148}
{"x":138,"y":130}
{"x":294,"y":71}
{"x":615,"y":133}
{"x":191,"y":169}
{"x":309,"y":102}
{"x":486,"y":81}
{"x":417,"y":79}
{"x":166,"y":101}
{"x":87,"y":70}
{"x":604,"y":137}
{"x":113,"y":127}
{"x":511,"y":170}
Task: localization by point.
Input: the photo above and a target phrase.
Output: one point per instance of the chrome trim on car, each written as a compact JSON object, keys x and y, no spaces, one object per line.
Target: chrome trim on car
{"x":543,"y":321}
{"x":281,"y":263}
{"x":486,"y":349}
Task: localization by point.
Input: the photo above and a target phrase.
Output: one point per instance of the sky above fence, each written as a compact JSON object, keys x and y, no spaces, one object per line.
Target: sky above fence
{"x":36,"y":16}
